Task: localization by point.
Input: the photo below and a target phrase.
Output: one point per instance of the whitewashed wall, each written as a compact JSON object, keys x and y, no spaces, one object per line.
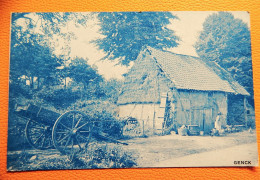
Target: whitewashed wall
{"x":146,"y":114}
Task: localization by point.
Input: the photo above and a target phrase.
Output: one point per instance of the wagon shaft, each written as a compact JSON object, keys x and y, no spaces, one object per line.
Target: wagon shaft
{"x":104,"y":136}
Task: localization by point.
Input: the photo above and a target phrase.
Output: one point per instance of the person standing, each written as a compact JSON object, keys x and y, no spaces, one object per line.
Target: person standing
{"x":218,"y":122}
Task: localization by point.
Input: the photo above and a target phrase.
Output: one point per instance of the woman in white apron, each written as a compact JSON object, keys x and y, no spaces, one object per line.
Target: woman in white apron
{"x":218,"y":122}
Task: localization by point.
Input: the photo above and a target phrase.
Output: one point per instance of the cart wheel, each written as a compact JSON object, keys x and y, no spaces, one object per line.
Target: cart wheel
{"x":38,"y":134}
{"x":72,"y":132}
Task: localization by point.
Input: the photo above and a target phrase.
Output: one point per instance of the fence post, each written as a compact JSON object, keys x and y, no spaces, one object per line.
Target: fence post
{"x":245,"y":110}
{"x":143,"y":127}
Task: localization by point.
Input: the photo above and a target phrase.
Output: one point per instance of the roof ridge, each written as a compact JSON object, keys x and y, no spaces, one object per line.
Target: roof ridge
{"x":172,"y":52}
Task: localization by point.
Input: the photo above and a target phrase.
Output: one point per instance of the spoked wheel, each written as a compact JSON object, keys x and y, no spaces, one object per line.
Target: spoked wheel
{"x":38,"y":134}
{"x":72,"y":132}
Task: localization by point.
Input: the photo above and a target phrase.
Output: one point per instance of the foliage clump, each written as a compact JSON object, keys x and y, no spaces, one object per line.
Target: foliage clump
{"x":104,"y":113}
{"x":226,"y":40}
{"x":125,"y":34}
{"x":97,"y":155}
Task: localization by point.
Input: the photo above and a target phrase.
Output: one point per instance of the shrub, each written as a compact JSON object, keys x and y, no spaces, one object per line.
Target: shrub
{"x":109,"y":156}
{"x":98,"y":155}
{"x":60,"y":98}
{"x":104,"y":113}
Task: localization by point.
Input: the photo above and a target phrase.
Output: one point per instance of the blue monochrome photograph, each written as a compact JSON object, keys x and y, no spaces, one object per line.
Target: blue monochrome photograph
{"x":96,"y":90}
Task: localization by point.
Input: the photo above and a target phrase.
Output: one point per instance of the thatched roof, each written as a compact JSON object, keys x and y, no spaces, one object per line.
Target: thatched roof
{"x":188,"y":72}
{"x":155,"y":71}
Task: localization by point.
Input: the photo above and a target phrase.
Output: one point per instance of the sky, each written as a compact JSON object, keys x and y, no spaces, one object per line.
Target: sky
{"x":187,"y":27}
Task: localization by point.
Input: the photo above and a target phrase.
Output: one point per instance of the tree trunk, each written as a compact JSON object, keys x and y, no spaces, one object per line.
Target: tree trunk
{"x":32,"y":83}
{"x":65,"y":83}
{"x":38,"y":80}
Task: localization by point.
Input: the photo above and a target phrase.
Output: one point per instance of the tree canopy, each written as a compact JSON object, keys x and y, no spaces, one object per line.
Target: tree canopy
{"x":37,"y":72}
{"x":124,"y":34}
{"x":226,"y":40}
{"x":222,"y":37}
{"x":31,"y":59}
{"x":81,"y":72}
{"x":34,"y":38}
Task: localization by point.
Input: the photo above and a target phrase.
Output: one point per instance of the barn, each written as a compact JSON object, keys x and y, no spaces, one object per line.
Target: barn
{"x":164,"y":91}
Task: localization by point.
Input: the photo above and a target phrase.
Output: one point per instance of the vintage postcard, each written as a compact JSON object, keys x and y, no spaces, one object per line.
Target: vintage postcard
{"x":130,"y":89}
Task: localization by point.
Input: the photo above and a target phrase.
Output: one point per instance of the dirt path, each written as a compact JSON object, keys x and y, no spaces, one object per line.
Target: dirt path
{"x":154,"y":150}
{"x":247,"y":153}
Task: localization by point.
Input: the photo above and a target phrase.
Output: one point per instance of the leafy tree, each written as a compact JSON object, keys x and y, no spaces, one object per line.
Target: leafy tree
{"x":50,"y":26}
{"x":226,"y":40}
{"x":222,"y":37}
{"x":32,"y":44}
{"x":126,"y":33}
{"x":81,"y":72}
{"x":32,"y":60}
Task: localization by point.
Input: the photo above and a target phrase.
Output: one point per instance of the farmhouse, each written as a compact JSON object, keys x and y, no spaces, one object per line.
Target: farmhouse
{"x":164,"y":91}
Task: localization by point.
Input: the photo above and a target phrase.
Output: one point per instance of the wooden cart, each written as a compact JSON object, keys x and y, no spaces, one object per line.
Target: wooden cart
{"x":69,"y":133}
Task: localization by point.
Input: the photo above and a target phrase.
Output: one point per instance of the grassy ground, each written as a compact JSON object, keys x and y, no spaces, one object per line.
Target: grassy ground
{"x":99,"y":155}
